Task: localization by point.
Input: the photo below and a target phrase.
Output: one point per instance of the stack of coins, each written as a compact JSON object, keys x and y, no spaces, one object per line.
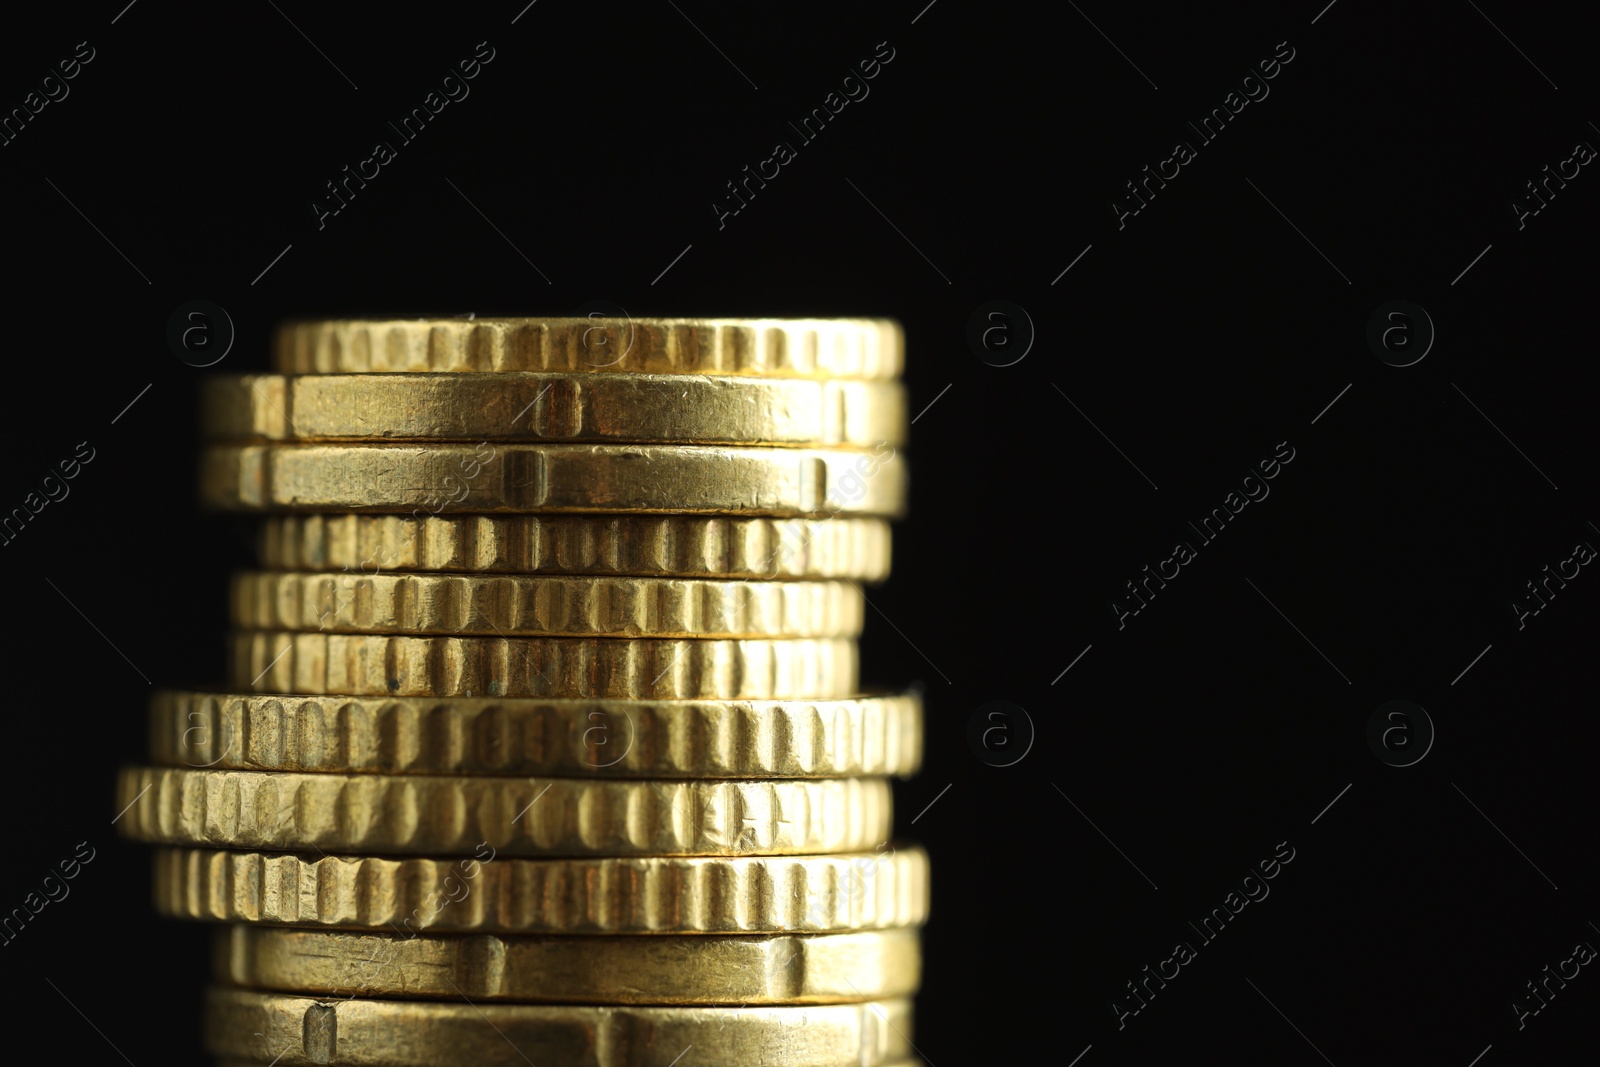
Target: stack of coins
{"x":543,"y":740}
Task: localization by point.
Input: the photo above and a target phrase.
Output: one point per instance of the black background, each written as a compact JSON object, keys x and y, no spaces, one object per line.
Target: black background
{"x":1218,"y":722}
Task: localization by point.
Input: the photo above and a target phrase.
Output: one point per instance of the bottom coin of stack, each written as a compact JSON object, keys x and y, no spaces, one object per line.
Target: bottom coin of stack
{"x":779,"y":999}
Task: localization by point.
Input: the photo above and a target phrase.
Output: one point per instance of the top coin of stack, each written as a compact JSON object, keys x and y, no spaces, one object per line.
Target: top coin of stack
{"x":554,"y":635}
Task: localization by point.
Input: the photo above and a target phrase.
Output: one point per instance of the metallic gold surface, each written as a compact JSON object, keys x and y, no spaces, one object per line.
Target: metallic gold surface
{"x":489,"y":894}
{"x":436,"y":478}
{"x":614,"y":408}
{"x":542,"y":741}
{"x":816,"y":969}
{"x":610,"y":739}
{"x":508,"y":605}
{"x":229,"y":1061}
{"x":306,"y":1030}
{"x":275,"y":661}
{"x":770,"y":348}
{"x":389,"y":814}
{"x":689,"y":546}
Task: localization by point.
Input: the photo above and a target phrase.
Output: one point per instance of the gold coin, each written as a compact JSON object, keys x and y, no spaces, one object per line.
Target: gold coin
{"x":230,"y":1062}
{"x":274,"y":661}
{"x":813,"y":969}
{"x":767,"y":348}
{"x":614,"y":739}
{"x":490,"y":894}
{"x":509,"y":605}
{"x":307,"y":1030}
{"x":688,"y":546}
{"x":426,"y":480}
{"x":613,"y":408}
{"x":449,"y":815}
